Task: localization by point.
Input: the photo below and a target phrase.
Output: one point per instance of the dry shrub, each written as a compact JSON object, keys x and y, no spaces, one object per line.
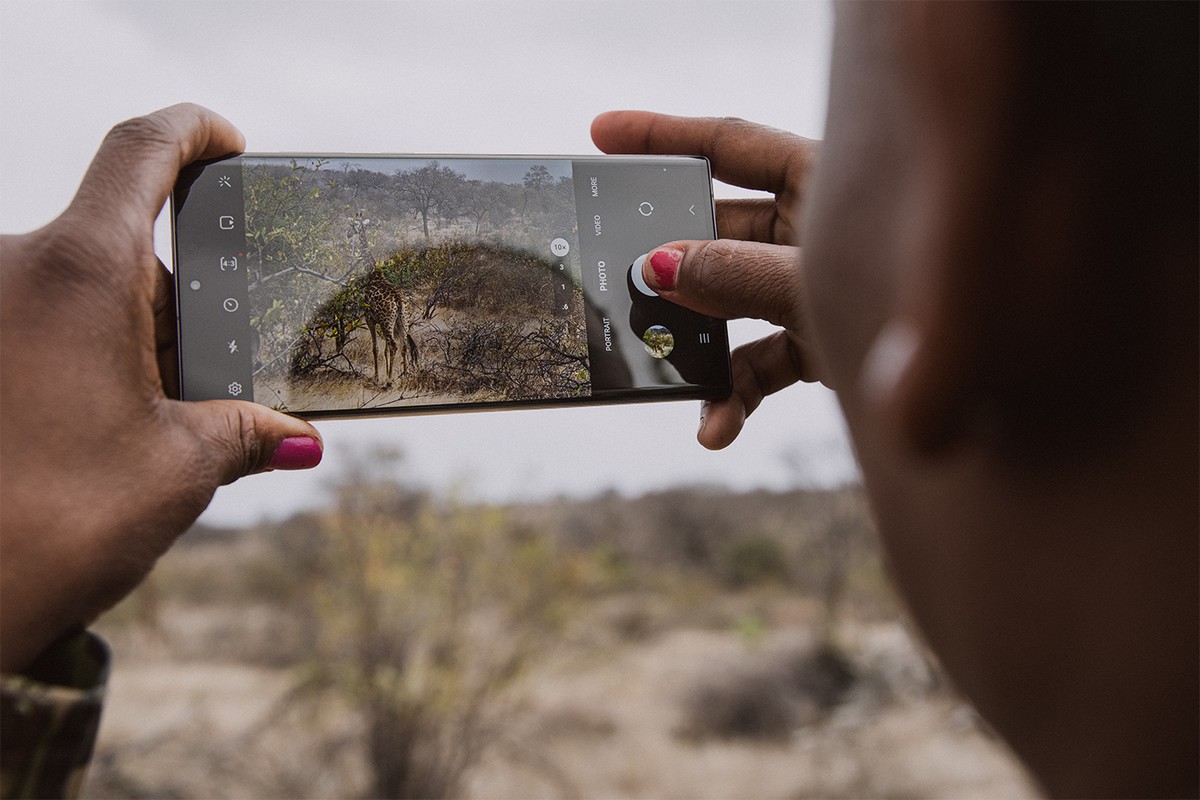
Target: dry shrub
{"x":755,"y":560}
{"x":425,"y":613}
{"x":767,"y":700}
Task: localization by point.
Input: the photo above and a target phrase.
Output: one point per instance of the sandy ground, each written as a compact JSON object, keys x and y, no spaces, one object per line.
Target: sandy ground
{"x":611,"y":729}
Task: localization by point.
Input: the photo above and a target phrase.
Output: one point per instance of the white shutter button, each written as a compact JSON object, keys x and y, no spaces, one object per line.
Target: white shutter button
{"x":636,"y":272}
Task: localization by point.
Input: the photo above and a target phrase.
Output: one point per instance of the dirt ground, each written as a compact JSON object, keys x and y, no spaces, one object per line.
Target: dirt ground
{"x":612,"y":730}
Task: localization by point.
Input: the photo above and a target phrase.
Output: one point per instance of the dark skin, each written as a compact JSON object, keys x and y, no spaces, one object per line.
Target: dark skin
{"x":100,"y":470}
{"x":1025,"y":418}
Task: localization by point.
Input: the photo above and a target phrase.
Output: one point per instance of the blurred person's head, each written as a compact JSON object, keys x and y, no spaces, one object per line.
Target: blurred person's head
{"x":1001,"y":239}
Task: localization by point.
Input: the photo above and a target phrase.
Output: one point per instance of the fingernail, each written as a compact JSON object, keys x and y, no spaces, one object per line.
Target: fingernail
{"x":296,"y":452}
{"x":664,"y":262}
{"x":704,"y":406}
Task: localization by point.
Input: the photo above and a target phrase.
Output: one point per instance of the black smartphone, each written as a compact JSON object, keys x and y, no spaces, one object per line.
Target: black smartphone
{"x":338,"y":285}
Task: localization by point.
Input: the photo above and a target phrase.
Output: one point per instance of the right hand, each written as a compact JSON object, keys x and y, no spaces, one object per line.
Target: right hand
{"x":754,"y":270}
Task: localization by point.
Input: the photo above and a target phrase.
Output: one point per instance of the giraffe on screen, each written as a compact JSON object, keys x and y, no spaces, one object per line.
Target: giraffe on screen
{"x":384,"y":306}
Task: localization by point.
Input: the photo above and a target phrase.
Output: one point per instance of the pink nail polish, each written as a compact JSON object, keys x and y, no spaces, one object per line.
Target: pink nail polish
{"x":296,"y":452}
{"x":665,"y":263}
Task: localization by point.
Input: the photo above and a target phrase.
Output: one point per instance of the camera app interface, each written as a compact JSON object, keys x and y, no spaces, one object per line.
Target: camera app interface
{"x":333,"y":284}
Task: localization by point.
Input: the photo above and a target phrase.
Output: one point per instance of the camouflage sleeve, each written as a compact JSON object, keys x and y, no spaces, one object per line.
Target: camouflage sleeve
{"x":49,"y":717}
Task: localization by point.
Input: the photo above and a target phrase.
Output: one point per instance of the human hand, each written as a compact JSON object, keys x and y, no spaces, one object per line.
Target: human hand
{"x":754,"y":270}
{"x":99,"y":470}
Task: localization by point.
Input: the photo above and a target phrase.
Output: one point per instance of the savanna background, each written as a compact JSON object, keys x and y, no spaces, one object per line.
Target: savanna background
{"x":399,"y":644}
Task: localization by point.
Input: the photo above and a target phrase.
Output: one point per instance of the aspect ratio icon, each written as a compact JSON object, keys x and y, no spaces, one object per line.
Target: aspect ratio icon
{"x":228,"y":263}
{"x":560,"y":247}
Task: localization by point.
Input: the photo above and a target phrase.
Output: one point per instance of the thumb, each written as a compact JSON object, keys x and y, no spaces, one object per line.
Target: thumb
{"x":731,"y":278}
{"x":728,"y":278}
{"x":239,"y":438}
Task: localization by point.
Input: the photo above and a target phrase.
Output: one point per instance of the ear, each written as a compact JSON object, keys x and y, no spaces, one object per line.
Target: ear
{"x":930,"y":368}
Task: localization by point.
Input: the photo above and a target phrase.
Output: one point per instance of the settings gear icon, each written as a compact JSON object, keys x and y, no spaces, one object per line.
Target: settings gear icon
{"x":235,"y":389}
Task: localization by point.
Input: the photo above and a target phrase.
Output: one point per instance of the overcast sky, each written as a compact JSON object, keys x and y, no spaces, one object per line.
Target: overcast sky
{"x":437,"y":77}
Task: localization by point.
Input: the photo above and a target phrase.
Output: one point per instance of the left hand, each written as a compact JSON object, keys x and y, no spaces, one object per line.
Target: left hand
{"x":99,"y":470}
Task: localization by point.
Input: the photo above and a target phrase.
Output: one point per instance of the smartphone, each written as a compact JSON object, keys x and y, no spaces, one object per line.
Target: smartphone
{"x":339,"y":285}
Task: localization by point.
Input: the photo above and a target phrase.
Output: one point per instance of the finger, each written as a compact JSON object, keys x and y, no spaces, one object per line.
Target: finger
{"x":729,"y":278}
{"x":238,"y":438}
{"x":754,"y":221}
{"x":759,"y":368}
{"x":742,"y":153}
{"x":139,"y":160}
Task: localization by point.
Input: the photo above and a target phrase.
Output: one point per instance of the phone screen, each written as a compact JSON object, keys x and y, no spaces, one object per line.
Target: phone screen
{"x":336,"y":285}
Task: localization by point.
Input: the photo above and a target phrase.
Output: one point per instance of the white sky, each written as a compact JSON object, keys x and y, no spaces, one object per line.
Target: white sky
{"x":437,"y":76}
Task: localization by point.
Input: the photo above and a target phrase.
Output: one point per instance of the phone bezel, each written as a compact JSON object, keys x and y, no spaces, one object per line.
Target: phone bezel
{"x":605,"y":397}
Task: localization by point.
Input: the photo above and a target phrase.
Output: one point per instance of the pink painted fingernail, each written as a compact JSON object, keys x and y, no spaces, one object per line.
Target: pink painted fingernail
{"x":664,"y":262}
{"x":296,"y":452}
